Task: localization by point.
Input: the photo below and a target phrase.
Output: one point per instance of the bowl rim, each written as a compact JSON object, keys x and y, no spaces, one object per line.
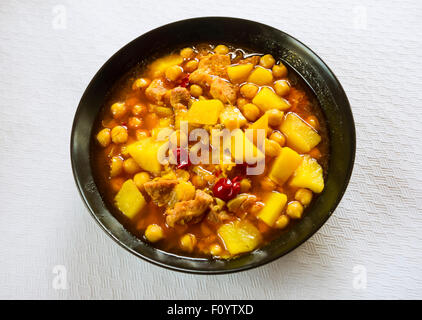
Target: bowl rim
{"x":264,"y":261}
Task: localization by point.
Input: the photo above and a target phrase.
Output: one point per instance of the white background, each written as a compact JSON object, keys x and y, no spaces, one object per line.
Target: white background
{"x":375,"y":49}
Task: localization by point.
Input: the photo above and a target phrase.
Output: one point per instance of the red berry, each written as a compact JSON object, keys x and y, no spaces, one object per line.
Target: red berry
{"x":182,"y":158}
{"x":226,"y":189}
{"x":185,"y":81}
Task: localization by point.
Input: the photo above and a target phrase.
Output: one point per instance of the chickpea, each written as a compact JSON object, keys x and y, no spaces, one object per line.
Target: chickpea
{"x":275,"y":117}
{"x":221,"y":49}
{"x":282,"y":221}
{"x":134,"y":122}
{"x":279,"y":71}
{"x":195,"y":90}
{"x":272,"y":148}
{"x":154,"y":233}
{"x":241,"y":102}
{"x":141,"y":133}
{"x":231,"y":123}
{"x":151,"y":121}
{"x":248,"y":90}
{"x":313,"y":122}
{"x":174,"y":72}
{"x":141,"y":83}
{"x":119,"y":134}
{"x":304,"y":196}
{"x":281,"y":87}
{"x":215,"y":249}
{"x":294,"y":210}
{"x":267,"y":61}
{"x":188,"y":242}
{"x":187,"y":53}
{"x":116,"y":183}
{"x":124,"y":152}
{"x":140,"y":178}
{"x":139,"y":110}
{"x":278,"y":137}
{"x":191,"y":66}
{"x":245,"y":185}
{"x":103,"y":137}
{"x":178,"y":138}
{"x":118,"y":110}
{"x":130,"y":166}
{"x":116,"y":166}
{"x":267,"y":184}
{"x":198,"y":181}
{"x":250,"y":111}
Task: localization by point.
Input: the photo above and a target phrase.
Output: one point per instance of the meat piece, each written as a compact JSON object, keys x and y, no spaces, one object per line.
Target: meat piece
{"x":161,"y":190}
{"x":296,"y":97}
{"x":179,"y":96}
{"x":215,"y":64}
{"x":253,"y":59}
{"x":209,"y":66}
{"x":185,"y":211}
{"x":200,"y":77}
{"x":223,"y":90}
{"x":156,"y":91}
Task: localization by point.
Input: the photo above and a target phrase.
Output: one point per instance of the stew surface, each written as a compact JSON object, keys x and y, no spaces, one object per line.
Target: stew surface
{"x":210,"y":151}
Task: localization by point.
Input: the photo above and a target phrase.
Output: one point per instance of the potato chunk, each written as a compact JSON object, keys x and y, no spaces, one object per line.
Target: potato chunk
{"x":129,"y":199}
{"x":243,"y":150}
{"x":260,"y":124}
{"x":274,"y":205}
{"x":308,"y":175}
{"x":232,"y":118}
{"x":205,"y":111}
{"x":239,"y":236}
{"x":267,"y":99}
{"x":159,"y":66}
{"x":146,"y":154}
{"x":239,"y":73}
{"x":284,"y":165}
{"x":261,"y":76}
{"x":300,"y":136}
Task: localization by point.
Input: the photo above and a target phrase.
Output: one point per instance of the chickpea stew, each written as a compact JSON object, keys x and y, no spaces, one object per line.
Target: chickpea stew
{"x":158,"y":176}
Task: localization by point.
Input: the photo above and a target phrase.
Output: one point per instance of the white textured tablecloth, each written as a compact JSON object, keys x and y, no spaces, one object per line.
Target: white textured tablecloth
{"x":50,"y":50}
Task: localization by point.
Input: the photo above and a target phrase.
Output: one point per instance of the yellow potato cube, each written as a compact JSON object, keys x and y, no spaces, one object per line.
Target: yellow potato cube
{"x":308,"y":175}
{"x":260,"y":124}
{"x":300,"y":136}
{"x":239,"y":236}
{"x":146,"y":154}
{"x":243,"y":150}
{"x":284,"y":165}
{"x":205,"y":111}
{"x":261,"y":76}
{"x":274,"y":205}
{"x":129,"y":199}
{"x":159,"y":66}
{"x":232,"y":118}
{"x":239,"y":73}
{"x":266,"y":99}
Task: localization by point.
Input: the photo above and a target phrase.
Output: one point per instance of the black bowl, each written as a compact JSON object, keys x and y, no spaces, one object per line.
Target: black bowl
{"x":240,"y":33}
